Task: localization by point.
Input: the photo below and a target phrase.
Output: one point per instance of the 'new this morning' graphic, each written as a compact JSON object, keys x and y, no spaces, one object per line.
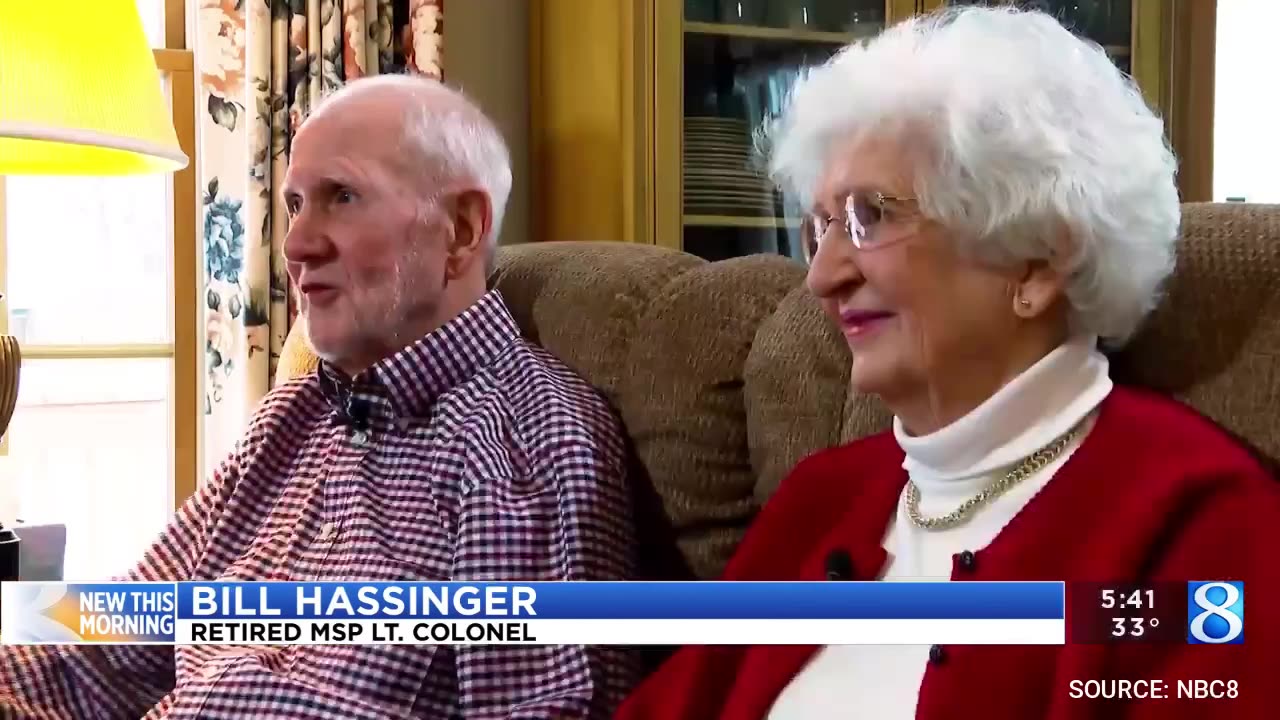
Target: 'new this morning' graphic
{"x":77,"y":613}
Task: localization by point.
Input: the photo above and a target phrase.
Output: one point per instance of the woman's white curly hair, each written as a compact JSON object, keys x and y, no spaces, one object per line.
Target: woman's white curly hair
{"x":1025,"y":131}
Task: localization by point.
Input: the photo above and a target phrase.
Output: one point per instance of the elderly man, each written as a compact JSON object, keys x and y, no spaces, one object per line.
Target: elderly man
{"x":433,"y":443}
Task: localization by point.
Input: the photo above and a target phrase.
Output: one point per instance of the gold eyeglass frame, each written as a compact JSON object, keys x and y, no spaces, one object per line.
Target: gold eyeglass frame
{"x":819,"y":226}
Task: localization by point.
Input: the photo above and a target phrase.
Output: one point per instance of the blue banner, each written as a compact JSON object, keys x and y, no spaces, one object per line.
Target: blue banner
{"x":622,"y":600}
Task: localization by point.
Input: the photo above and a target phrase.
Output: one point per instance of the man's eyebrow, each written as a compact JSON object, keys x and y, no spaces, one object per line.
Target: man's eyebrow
{"x":322,"y":183}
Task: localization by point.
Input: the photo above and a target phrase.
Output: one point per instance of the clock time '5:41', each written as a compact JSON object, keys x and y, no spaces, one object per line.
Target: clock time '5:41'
{"x":1140,"y":599}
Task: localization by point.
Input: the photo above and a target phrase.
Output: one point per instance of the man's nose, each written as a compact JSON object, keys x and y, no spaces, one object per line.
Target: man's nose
{"x":834,"y":268}
{"x":304,"y":241}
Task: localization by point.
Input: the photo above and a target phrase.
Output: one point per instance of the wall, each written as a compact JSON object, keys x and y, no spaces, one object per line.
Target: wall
{"x":486,"y":54}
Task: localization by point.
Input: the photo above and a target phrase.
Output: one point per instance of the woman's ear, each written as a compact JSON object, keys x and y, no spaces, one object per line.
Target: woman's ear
{"x":1038,"y":290}
{"x":1042,"y":284}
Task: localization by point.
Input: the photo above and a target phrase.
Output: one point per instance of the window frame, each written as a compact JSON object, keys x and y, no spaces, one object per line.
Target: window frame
{"x":176,"y":64}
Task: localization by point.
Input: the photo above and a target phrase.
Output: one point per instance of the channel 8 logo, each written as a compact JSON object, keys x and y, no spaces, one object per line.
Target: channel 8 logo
{"x":1215,"y":613}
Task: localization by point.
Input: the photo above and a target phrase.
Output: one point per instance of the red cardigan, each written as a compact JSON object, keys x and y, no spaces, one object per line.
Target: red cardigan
{"x":1156,"y":492}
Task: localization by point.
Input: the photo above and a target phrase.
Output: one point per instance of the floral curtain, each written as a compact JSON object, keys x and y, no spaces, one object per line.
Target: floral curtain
{"x":263,"y":65}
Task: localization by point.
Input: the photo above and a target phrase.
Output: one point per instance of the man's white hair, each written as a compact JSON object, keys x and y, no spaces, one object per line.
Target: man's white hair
{"x":1019,"y":131}
{"x":452,"y":137}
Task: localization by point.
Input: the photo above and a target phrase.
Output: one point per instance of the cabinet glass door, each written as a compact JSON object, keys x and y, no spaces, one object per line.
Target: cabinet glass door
{"x":740,"y":58}
{"x":1106,"y":22}
{"x":726,"y":66}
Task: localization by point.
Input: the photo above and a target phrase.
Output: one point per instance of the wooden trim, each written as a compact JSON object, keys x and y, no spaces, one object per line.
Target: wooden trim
{"x":187,"y":278}
{"x":1150,"y":60}
{"x":132,"y":351}
{"x":172,"y":61}
{"x":175,"y":24}
{"x":630,"y":125}
{"x":1193,"y":48}
{"x":771,"y":33}
{"x":668,"y":122}
{"x":739,"y":221}
{"x":538,"y":191}
{"x":636,"y":82}
{"x":901,"y":9}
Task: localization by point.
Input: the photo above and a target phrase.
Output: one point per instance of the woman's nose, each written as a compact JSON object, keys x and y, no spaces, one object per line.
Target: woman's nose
{"x":834,"y":267}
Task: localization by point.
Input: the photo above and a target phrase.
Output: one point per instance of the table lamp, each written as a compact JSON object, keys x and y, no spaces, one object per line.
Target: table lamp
{"x":79,"y":95}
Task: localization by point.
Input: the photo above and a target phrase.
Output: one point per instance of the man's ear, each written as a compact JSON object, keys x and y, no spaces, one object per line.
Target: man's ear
{"x":472,"y":220}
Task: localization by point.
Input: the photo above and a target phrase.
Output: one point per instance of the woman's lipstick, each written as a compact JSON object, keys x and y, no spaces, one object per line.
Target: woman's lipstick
{"x":856,"y":323}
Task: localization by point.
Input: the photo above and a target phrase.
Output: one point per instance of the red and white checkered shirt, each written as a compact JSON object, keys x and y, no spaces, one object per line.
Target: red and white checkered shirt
{"x":470,"y":455}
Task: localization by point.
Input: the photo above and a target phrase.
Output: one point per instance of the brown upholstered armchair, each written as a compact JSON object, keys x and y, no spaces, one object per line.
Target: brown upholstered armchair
{"x":726,"y":373}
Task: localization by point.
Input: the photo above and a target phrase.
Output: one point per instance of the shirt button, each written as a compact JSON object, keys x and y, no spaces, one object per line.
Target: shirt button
{"x":839,"y":565}
{"x":210,"y":672}
{"x":937,"y":655}
{"x":326,"y":530}
{"x":360,"y":438}
{"x":967,"y":560}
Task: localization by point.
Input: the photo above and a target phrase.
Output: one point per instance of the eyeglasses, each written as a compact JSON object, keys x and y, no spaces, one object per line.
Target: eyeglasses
{"x":863,"y":213}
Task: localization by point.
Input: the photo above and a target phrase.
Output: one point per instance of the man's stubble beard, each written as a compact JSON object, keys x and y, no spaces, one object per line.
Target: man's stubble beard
{"x":386,"y":322}
{"x":409,"y":316}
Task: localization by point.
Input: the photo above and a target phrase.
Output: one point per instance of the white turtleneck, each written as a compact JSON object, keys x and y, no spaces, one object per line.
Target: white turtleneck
{"x":950,"y":466}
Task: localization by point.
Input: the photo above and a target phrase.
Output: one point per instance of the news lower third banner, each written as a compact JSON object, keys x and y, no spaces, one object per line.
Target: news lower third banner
{"x":552,"y":613}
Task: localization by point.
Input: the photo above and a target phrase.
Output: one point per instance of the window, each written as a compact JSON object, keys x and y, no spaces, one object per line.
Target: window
{"x":99,"y":277}
{"x":1246,"y":147}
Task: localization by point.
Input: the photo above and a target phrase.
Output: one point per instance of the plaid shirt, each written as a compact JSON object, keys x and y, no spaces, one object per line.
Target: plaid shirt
{"x":470,"y":455}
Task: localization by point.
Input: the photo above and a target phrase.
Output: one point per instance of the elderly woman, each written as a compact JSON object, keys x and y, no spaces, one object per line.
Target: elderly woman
{"x":989,"y":200}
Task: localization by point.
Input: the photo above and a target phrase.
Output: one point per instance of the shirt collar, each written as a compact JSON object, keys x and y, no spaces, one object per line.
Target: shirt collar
{"x":1029,"y":412}
{"x":412,"y":379}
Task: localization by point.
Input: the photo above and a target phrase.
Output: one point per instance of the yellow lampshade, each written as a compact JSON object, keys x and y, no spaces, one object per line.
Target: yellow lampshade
{"x":80,"y":93}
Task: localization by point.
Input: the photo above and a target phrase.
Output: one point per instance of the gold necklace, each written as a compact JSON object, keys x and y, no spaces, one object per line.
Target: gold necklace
{"x":1028,"y":467}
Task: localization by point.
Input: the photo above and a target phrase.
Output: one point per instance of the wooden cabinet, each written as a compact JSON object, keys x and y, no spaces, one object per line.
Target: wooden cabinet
{"x":642,"y":111}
